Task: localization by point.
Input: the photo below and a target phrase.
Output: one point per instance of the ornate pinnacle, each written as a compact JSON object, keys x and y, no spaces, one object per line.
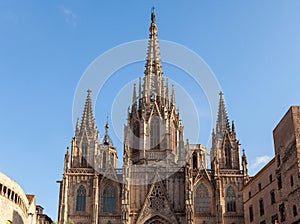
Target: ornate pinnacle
{"x":233,"y":129}
{"x":152,"y":15}
{"x":167,"y":94}
{"x":173,"y":101}
{"x":134,"y":98}
{"x":88,"y":121}
{"x":106,"y":138}
{"x":222,"y":122}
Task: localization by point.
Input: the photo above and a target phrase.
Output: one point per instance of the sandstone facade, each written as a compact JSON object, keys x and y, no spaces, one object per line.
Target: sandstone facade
{"x":164,"y":179}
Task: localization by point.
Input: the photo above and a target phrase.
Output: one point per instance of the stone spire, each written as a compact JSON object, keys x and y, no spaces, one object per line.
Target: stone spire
{"x":106,"y":138}
{"x":153,"y":108}
{"x":222,"y":122}
{"x":153,"y":68}
{"x":77,"y":130}
{"x":167,"y":94}
{"x":233,"y":130}
{"x":173,"y":99}
{"x":88,"y":123}
{"x":134,"y":97}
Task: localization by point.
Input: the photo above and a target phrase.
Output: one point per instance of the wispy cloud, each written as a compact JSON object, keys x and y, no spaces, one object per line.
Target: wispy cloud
{"x":70,"y":16}
{"x":260,"y":161}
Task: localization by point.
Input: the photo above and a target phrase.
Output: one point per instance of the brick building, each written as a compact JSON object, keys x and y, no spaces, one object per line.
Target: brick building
{"x":273,"y":194}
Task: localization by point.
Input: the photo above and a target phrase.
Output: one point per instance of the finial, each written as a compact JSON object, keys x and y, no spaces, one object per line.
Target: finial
{"x":106,"y":125}
{"x":152,"y":15}
{"x":173,"y":96}
{"x":221,"y":93}
{"x":106,"y":139}
{"x":140,"y":87}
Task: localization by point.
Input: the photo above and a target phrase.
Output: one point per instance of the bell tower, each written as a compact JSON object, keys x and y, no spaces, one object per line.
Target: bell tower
{"x":85,"y":142}
{"x":225,"y":146}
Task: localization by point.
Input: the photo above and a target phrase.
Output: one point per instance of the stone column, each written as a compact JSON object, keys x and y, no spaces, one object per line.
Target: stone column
{"x":96,"y":199}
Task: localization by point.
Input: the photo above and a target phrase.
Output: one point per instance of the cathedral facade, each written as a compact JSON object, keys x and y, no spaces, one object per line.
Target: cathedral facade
{"x":164,"y":178}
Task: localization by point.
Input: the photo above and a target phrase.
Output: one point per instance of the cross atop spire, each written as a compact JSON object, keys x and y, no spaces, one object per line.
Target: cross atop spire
{"x":222,"y":122}
{"x":152,"y":15}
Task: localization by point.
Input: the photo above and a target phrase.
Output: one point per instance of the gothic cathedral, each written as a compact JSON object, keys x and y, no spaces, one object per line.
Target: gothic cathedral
{"x":164,"y":179}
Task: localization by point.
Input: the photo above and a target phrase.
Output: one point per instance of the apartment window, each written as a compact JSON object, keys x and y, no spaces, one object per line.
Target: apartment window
{"x":292,"y":180}
{"x":278,"y":160}
{"x":295,"y":213}
{"x":272,"y":194}
{"x":282,"y":212}
{"x":261,"y":207}
{"x":279,"y":182}
{"x":249,"y":194}
{"x":270,"y":178}
{"x":251,"y":213}
{"x":259,"y":186}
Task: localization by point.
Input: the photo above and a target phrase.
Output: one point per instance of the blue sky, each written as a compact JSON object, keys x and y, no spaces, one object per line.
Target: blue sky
{"x":253,"y":48}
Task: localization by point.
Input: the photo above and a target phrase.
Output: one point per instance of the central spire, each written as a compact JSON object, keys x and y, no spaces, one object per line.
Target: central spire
{"x":153,"y":68}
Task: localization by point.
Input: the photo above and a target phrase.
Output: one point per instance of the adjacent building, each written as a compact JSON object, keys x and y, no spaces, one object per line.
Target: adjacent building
{"x":15,"y":205}
{"x":273,"y":194}
{"x":164,"y":178}
{"x":41,"y":217}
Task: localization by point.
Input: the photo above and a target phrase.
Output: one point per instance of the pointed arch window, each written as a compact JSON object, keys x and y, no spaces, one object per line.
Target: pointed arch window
{"x":230,"y":200}
{"x":155,"y":133}
{"x":84,"y":154}
{"x":104,"y":160}
{"x":228,"y":155}
{"x":109,"y":199}
{"x":195,"y":160}
{"x":81,"y":199}
{"x":173,"y":137}
{"x":202,"y":199}
{"x":136,"y":135}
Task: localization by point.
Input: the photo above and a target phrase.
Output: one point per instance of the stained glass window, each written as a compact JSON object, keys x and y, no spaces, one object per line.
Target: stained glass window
{"x":230,"y":200}
{"x":81,"y":199}
{"x":109,"y":199}
{"x":154,"y":133}
{"x":202,"y":199}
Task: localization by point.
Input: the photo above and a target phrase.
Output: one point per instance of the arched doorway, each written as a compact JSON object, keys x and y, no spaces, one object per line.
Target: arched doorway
{"x":157,"y":220}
